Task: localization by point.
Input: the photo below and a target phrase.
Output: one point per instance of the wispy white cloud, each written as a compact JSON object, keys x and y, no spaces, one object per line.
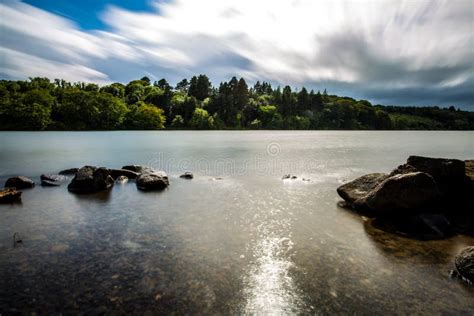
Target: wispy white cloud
{"x":358,"y":45}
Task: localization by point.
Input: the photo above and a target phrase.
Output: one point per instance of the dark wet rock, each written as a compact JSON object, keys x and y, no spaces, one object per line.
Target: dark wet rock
{"x":450,"y":170}
{"x":294,"y":177}
{"x":90,"y":179}
{"x":48,"y":183}
{"x":403,"y":169}
{"x":469,"y":188}
{"x":70,"y":171}
{"x":52,"y":180}
{"x":360,"y":187}
{"x":469,"y":169}
{"x":187,"y":175}
{"x":462,"y":222}
{"x":449,"y":174}
{"x":139,"y":169}
{"x":286,"y":176}
{"x":121,"y":179}
{"x":157,"y":180}
{"x":10,"y":195}
{"x":420,"y":226}
{"x":464,"y":263}
{"x":411,"y":191}
{"x":19,"y":183}
{"x":116,"y":173}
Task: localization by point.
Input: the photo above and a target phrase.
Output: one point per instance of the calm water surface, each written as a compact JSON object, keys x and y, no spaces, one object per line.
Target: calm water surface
{"x":249,"y":243}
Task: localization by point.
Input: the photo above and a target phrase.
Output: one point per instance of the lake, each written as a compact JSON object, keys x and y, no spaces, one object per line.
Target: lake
{"x":237,"y":239}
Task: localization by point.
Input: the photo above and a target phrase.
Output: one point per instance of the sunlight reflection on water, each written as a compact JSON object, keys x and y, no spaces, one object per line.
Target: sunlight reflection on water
{"x":270,"y":288}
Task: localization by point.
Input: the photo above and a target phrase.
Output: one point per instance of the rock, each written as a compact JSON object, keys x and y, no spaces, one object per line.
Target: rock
{"x":420,"y":226}
{"x":360,"y":187}
{"x":69,"y":171}
{"x":10,"y":195}
{"x":448,"y":173}
{"x":157,"y":180}
{"x":116,"y":173}
{"x":52,"y":180}
{"x":19,"y":182}
{"x":187,"y":175}
{"x":53,"y":177}
{"x":464,"y":263}
{"x":138,"y":169}
{"x":414,"y":191}
{"x":294,"y":177}
{"x":469,"y":169}
{"x":122,"y":179}
{"x":286,"y":176}
{"x":91,"y":179}
{"x":49,"y":183}
{"x":403,"y":169}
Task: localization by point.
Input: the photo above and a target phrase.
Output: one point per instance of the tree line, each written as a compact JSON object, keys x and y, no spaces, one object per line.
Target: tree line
{"x":42,"y":104}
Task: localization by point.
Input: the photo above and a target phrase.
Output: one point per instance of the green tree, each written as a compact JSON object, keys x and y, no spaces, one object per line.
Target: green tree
{"x":201,"y":120}
{"x":144,"y":116}
{"x":199,"y":87}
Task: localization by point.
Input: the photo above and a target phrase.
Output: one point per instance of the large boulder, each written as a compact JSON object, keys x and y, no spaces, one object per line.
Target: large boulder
{"x":10,"y":195}
{"x":115,"y":173}
{"x":448,"y":173}
{"x":19,"y":183}
{"x":158,"y":180}
{"x":90,"y":179}
{"x":415,"y":191}
{"x":464,"y":263}
{"x":360,"y":187}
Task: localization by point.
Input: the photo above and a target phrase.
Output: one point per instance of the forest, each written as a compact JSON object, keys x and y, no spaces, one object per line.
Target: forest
{"x":42,"y":104}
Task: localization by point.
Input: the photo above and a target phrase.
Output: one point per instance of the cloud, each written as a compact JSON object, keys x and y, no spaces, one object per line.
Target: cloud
{"x":379,"y":50}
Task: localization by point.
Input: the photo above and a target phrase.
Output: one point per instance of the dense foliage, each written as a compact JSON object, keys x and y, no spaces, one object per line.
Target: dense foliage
{"x":39,"y":104}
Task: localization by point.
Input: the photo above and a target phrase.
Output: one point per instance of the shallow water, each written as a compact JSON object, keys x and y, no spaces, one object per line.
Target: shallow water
{"x":249,"y":243}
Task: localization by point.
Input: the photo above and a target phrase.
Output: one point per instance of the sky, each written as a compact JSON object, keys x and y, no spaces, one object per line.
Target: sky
{"x":414,"y":52}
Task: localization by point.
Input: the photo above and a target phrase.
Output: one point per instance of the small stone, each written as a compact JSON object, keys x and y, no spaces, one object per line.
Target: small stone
{"x":187,"y":175}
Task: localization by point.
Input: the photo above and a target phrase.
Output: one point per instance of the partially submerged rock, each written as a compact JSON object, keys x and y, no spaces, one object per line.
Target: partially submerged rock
{"x":121,"y":179}
{"x":70,"y":171}
{"x":52,"y":180}
{"x":116,"y":173}
{"x":359,"y":188}
{"x":464,"y":263}
{"x":444,"y":171}
{"x":412,"y":192}
{"x":19,"y":183}
{"x":158,"y":180}
{"x":187,"y":175}
{"x":401,"y":200}
{"x":90,"y":179}
{"x":138,"y":169}
{"x":10,"y":195}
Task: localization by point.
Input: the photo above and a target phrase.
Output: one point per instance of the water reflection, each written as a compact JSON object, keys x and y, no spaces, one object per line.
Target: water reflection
{"x":268,"y":286}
